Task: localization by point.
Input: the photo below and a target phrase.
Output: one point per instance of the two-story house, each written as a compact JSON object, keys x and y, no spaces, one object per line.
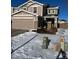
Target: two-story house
{"x":33,"y":15}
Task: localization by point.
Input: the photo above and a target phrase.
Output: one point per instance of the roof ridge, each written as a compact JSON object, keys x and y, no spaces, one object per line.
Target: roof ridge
{"x":30,"y":1}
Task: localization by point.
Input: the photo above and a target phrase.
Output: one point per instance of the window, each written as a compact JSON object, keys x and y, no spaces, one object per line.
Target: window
{"x":24,"y":8}
{"x":49,"y":11}
{"x":53,"y":11}
{"x":35,"y":10}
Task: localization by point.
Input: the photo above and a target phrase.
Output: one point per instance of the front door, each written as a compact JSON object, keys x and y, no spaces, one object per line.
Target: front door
{"x":50,"y":23}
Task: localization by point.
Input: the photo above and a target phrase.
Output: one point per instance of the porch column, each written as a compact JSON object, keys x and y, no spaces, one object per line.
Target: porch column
{"x":49,"y":25}
{"x":55,"y":22}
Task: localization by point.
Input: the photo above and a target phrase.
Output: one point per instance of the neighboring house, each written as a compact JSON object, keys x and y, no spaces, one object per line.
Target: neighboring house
{"x":33,"y":15}
{"x":62,"y":24}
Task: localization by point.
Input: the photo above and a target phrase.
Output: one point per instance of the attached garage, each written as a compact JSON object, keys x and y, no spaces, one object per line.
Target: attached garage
{"x":24,"y":20}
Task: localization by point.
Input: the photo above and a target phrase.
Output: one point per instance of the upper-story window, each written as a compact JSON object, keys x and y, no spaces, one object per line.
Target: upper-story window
{"x":35,"y":9}
{"x":24,"y":8}
{"x":51,"y":11}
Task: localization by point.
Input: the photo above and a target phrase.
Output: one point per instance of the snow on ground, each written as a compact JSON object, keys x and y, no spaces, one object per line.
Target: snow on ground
{"x":33,"y":49}
{"x":22,"y":38}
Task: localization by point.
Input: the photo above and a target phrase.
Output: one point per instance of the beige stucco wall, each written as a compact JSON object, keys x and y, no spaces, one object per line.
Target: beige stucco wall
{"x":29,"y":7}
{"x":25,"y":6}
{"x":35,"y":24}
{"x":39,"y":9}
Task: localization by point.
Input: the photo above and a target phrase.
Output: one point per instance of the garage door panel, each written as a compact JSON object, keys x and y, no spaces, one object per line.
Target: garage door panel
{"x":22,"y":17}
{"x":23,"y":24}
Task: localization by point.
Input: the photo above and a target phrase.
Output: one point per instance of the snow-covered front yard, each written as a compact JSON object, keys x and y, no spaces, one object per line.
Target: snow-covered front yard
{"x":33,"y":48}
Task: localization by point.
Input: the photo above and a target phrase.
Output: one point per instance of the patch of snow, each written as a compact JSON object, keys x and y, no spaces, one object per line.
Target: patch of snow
{"x":33,"y":49}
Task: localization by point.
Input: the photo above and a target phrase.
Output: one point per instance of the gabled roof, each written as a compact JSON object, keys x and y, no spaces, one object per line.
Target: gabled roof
{"x":25,"y":12}
{"x":30,"y":1}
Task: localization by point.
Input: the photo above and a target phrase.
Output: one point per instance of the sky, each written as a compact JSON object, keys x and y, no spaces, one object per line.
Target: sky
{"x":63,"y":5}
